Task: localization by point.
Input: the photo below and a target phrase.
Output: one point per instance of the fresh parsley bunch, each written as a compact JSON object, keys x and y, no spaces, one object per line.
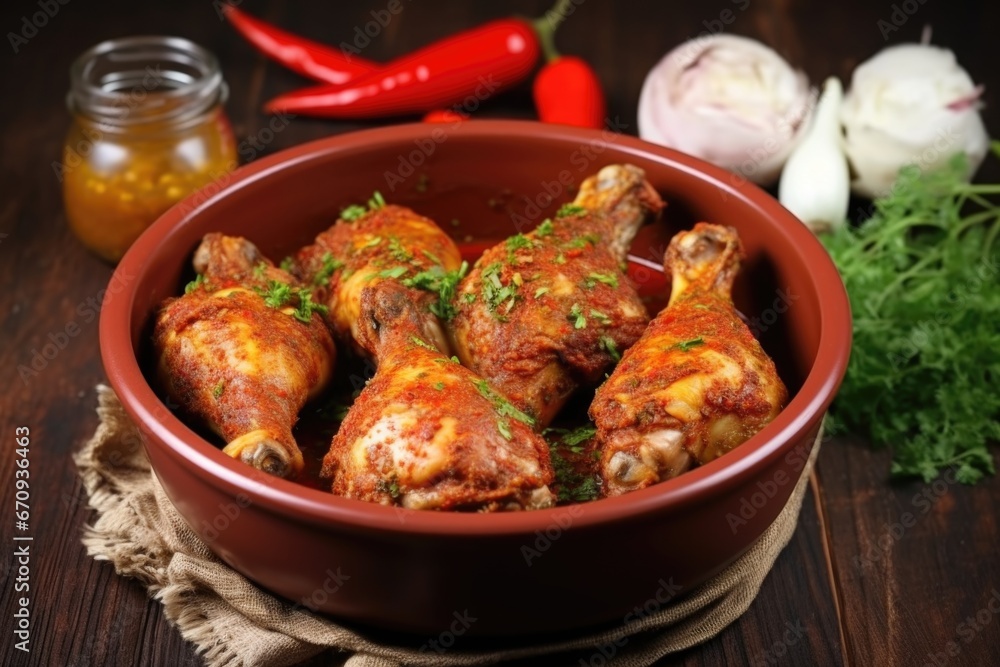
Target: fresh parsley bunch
{"x":923,"y":277}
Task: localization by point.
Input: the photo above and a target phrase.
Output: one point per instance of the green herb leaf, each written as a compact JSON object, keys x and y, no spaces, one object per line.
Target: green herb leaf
{"x":417,"y":340}
{"x":443,"y":283}
{"x":218,"y":389}
{"x":353,"y":212}
{"x":503,"y":407}
{"x":329,"y":266}
{"x":600,"y":317}
{"x":544,"y":229}
{"x":577,"y":317}
{"x":376,"y":202}
{"x":259,"y":269}
{"x":398,"y":252}
{"x":287,"y":264}
{"x":307,"y":306}
{"x":686,"y":345}
{"x":608,"y":345}
{"x":394,"y":272}
{"x":198,"y":281}
{"x":540,"y":291}
{"x":604,"y":278}
{"x":570,"y":209}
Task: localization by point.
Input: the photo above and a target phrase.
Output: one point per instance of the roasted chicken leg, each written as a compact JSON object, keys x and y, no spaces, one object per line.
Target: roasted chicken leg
{"x":384,"y":242}
{"x":551,"y":310}
{"x":697,"y":384}
{"x":243,"y":350}
{"x":426,"y":433}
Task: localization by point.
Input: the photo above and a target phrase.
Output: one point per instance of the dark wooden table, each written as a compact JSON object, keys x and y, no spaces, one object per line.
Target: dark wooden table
{"x":854,"y":586}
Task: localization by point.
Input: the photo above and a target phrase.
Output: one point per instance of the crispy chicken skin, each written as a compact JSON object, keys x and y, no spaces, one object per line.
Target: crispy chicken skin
{"x":427,"y":433}
{"x":549,"y":311}
{"x":385,"y":243}
{"x":242,"y":367}
{"x":697,"y":384}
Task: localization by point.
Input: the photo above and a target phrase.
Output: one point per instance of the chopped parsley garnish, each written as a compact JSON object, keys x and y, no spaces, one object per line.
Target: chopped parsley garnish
{"x":198,"y":281}
{"x":504,"y":409}
{"x":394,"y":272}
{"x":439,"y":386}
{"x":570,"y":209}
{"x":515,"y":243}
{"x":443,"y":360}
{"x":398,"y":252}
{"x":218,"y":389}
{"x":686,"y":345}
{"x":560,"y":259}
{"x":329,"y":266}
{"x":417,"y":340}
{"x":544,"y":229}
{"x":372,"y":242}
{"x":390,"y":487}
{"x":287,"y":264}
{"x":495,"y":293}
{"x":577,"y":317}
{"x":608,"y":345}
{"x":307,"y":307}
{"x":353,"y":212}
{"x":259,"y":269}
{"x":600,"y":317}
{"x":540,"y":291}
{"x":469,"y":297}
{"x":567,"y":451}
{"x":442,"y":283}
{"x":579,"y":242}
{"x":277,"y":293}
{"x":431,"y":256}
{"x":604,"y":278}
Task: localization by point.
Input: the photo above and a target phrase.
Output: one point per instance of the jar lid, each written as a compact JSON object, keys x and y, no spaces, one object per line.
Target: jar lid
{"x":146,"y":79}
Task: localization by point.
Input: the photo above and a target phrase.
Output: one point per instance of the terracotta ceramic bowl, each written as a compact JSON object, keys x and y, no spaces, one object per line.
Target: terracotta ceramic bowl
{"x":515,"y":573}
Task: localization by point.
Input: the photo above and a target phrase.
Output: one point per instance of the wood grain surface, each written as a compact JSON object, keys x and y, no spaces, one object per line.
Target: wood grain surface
{"x":878,"y":573}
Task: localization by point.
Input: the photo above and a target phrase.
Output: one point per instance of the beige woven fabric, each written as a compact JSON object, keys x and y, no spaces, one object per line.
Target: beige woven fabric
{"x":236,"y":624}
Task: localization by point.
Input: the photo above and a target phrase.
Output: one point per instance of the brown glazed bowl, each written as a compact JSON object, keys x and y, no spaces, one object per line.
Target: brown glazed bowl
{"x":514,"y":573}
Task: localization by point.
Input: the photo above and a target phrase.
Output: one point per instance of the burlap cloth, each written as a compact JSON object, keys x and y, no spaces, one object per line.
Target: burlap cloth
{"x":234,"y":623}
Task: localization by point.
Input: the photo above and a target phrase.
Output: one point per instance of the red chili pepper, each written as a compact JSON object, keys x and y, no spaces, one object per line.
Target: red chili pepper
{"x":312,"y":59}
{"x":567,"y":91}
{"x":474,"y":64}
{"x":445,"y":116}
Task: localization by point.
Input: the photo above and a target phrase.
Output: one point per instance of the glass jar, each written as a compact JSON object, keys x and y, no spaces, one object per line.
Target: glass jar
{"x":148,"y":129}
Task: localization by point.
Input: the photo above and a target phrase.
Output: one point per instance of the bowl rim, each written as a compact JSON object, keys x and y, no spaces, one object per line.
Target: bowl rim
{"x":304,"y":504}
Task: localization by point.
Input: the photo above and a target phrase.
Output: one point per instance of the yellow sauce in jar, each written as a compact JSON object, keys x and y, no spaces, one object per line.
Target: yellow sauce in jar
{"x":141,"y":139}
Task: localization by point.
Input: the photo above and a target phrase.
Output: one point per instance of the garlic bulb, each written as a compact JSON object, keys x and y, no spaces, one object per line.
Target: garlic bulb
{"x":910,"y":104}
{"x":729,"y":100}
{"x":815,"y":183}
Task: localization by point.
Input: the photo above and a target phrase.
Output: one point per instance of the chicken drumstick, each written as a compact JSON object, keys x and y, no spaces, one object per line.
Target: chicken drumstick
{"x":426,"y":433}
{"x":243,"y":350}
{"x":697,"y":384}
{"x":551,"y":310}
